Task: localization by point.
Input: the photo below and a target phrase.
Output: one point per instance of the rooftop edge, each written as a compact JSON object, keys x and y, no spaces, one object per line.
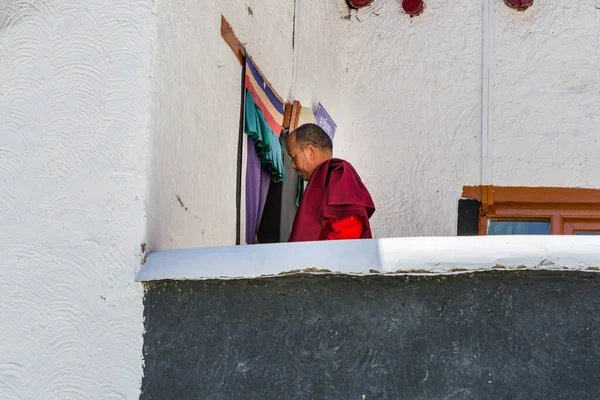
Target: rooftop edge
{"x":393,"y":256}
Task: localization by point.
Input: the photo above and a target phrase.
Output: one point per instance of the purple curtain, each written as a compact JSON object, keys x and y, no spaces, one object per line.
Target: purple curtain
{"x":257,"y":186}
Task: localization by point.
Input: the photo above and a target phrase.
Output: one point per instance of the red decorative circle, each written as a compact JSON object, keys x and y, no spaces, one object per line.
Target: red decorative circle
{"x":519,"y":5}
{"x":413,"y":7}
{"x":359,"y":3}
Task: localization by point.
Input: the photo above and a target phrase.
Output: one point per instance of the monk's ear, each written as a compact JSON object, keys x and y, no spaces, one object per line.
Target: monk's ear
{"x":312,"y":151}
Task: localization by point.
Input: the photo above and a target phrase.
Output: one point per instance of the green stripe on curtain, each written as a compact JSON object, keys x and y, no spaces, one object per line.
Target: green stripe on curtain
{"x":266,"y":142}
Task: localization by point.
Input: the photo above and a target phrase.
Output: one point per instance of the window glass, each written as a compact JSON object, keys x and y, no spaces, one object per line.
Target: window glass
{"x":497,"y":227}
{"x":587,"y":233}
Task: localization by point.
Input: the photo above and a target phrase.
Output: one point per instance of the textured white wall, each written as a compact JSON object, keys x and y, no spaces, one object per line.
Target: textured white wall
{"x":411,"y":117}
{"x":547,"y":94}
{"x":74,"y":117}
{"x":318,"y":55}
{"x":411,"y":104}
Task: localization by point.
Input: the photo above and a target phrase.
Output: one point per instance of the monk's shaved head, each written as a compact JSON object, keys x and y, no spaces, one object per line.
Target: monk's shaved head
{"x":308,"y":146}
{"x":312,"y":134}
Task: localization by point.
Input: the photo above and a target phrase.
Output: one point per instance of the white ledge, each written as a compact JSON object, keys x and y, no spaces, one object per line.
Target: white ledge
{"x":422,"y":255}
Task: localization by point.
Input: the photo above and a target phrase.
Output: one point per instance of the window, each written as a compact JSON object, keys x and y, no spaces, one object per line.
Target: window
{"x":510,"y":227}
{"x":531,"y":210}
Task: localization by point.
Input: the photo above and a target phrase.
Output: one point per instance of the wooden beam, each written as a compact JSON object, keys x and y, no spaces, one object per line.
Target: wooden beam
{"x":231,"y":39}
{"x":287,"y":118}
{"x":238,"y":49}
{"x":296,"y":108}
{"x":529,"y":195}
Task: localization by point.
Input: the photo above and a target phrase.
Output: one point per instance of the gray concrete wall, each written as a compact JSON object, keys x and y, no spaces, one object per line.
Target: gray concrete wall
{"x":496,"y":334}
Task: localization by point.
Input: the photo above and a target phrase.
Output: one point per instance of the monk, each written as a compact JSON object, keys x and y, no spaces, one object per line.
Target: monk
{"x":336,"y":204}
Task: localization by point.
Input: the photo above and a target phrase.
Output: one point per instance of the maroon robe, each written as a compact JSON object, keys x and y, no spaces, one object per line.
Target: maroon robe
{"x":336,"y":192}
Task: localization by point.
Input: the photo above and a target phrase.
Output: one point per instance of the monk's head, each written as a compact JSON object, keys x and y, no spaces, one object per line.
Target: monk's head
{"x":308,"y":146}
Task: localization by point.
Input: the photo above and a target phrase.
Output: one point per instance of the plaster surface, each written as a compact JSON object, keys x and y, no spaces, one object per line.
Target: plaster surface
{"x":411,"y":111}
{"x":318,"y":72}
{"x":74,"y":117}
{"x":546,"y":95}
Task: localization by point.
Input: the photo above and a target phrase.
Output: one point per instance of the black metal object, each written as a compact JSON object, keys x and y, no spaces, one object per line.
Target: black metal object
{"x":468,"y":217}
{"x":240,"y":152}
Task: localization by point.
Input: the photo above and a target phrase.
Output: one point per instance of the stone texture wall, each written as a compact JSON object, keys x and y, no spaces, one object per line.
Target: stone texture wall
{"x":496,"y":334}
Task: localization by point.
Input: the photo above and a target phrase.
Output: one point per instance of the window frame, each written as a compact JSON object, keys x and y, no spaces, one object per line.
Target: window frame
{"x":566,"y":208}
{"x":571,"y":225}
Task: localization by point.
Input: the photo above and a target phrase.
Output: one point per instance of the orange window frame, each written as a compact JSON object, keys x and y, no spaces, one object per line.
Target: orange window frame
{"x":570,"y":225}
{"x":569,"y":210}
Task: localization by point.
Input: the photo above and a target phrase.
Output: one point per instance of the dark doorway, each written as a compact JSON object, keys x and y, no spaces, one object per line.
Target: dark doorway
{"x":280,"y":208}
{"x":268,"y":230}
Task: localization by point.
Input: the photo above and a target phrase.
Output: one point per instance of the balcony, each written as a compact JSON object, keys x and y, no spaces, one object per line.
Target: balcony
{"x":458,"y":317}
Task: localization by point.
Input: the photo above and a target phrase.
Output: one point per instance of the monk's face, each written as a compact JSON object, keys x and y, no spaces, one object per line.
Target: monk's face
{"x":304,"y":160}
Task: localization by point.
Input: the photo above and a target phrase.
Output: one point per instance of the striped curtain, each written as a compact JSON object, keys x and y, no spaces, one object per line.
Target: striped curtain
{"x":264,"y":111}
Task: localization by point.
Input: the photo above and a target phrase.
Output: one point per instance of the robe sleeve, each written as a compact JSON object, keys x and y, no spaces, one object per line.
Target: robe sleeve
{"x":344,"y":229}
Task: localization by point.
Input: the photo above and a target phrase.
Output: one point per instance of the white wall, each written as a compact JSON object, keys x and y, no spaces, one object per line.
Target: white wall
{"x":318,"y":58}
{"x":411,"y":117}
{"x":547,"y":93}
{"x":74,"y":116}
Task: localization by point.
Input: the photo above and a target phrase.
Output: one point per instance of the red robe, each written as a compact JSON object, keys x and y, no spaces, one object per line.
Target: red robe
{"x":335,"y":205}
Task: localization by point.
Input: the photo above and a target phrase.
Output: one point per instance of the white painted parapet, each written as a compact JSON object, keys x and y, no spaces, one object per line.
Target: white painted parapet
{"x":417,"y":255}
